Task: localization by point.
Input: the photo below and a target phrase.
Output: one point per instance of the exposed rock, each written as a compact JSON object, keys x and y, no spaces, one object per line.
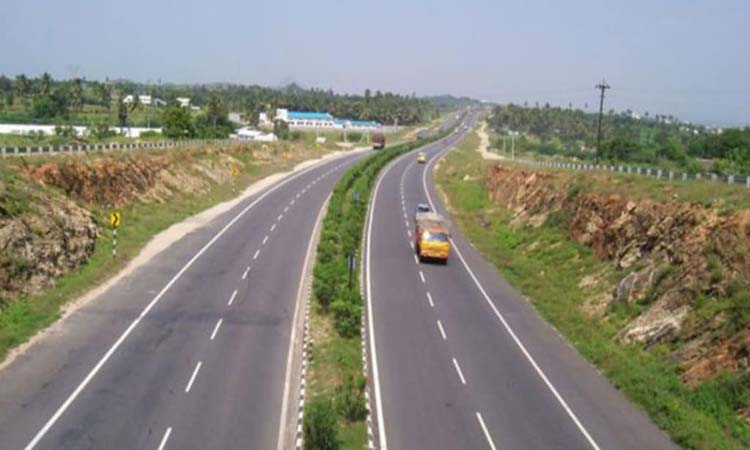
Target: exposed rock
{"x":36,"y":247}
{"x":658,"y":324}
{"x":635,"y":285}
{"x":691,"y":250}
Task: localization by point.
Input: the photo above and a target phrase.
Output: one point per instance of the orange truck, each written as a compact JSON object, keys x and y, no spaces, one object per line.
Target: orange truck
{"x":431,"y":237}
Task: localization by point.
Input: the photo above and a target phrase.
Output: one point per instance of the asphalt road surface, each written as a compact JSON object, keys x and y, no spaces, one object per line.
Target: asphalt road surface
{"x":188,"y":352}
{"x":459,"y":360}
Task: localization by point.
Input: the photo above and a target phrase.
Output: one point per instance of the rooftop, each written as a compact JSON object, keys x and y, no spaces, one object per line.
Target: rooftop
{"x":306,"y":115}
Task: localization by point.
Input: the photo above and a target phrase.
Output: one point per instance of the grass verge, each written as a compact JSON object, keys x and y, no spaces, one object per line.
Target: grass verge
{"x":547,"y":267}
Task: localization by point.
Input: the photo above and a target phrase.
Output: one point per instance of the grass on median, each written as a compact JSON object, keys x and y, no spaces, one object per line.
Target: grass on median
{"x":24,"y":317}
{"x":336,"y":385}
{"x":547,"y":267}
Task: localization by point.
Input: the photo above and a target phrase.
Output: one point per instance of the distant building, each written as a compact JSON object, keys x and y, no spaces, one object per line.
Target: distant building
{"x":184,"y":102}
{"x":145,"y":100}
{"x":357,"y":124}
{"x":306,"y":119}
{"x":250,"y":134}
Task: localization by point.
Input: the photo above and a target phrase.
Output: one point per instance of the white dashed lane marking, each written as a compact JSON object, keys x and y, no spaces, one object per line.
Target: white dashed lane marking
{"x":192,"y":378}
{"x":421,"y":276}
{"x":165,"y":439}
{"x":257,"y":252}
{"x":216,"y":329}
{"x":429,"y":299}
{"x":265,"y":239}
{"x":486,"y":432}
{"x":273,"y":227}
{"x":458,"y":369}
{"x":442,"y":331}
{"x":231,"y":299}
{"x":244,"y":275}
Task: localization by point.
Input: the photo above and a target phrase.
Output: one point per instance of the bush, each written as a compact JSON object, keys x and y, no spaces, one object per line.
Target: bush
{"x":350,"y":398}
{"x":320,"y":431}
{"x":347,"y":313}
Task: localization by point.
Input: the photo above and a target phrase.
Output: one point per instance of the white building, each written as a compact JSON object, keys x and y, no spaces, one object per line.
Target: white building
{"x":306,"y":119}
{"x":183,"y":101}
{"x":250,"y":134}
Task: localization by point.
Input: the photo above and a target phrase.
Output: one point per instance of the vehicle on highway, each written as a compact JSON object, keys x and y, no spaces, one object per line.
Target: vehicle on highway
{"x":431,"y":237}
{"x":422,"y":208}
{"x":378,"y":141}
{"x":421,"y":158}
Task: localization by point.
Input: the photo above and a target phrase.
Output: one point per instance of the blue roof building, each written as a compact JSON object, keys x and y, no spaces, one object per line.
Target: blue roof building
{"x":309,"y":119}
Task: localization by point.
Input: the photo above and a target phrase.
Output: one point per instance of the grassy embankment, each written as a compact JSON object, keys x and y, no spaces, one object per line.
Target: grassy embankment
{"x":335,"y":413}
{"x":21,"y":318}
{"x":547,"y":267}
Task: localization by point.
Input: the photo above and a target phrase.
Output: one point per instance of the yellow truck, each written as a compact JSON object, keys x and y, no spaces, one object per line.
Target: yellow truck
{"x":431,"y":236}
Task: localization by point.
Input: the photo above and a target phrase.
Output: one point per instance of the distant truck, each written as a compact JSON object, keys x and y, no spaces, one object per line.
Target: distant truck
{"x":431,"y":236}
{"x":378,"y":141}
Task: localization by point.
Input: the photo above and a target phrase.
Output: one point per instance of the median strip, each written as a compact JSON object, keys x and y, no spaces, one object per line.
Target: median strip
{"x":336,"y":405}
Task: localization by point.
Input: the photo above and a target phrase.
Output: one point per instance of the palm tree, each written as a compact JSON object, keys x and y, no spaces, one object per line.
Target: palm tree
{"x":76,"y":94}
{"x":46,"y":82}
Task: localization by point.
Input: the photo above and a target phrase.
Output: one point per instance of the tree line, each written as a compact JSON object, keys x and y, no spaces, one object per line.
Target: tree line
{"x":43,"y":100}
{"x":651,"y":139}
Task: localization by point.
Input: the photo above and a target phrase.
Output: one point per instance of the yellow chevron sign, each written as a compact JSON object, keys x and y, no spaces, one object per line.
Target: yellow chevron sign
{"x":115,"y":218}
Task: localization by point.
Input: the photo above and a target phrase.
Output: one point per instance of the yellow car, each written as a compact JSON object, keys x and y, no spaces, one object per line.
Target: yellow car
{"x":421,"y":158}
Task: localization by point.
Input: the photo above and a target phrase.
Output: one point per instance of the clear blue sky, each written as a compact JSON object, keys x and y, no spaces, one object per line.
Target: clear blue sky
{"x":690,"y":58}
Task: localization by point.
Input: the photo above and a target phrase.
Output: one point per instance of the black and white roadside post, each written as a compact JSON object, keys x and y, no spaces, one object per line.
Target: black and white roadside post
{"x":355,"y":196}
{"x":115,"y":218}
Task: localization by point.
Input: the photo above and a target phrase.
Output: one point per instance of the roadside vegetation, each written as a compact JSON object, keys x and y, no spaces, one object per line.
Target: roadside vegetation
{"x":555,"y":274}
{"x":174,"y":185}
{"x":658,"y":140}
{"x":336,"y":385}
{"x":24,"y":99}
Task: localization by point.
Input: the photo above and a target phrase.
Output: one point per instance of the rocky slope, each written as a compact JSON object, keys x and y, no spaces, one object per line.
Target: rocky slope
{"x":686,"y":266}
{"x":53,"y":209}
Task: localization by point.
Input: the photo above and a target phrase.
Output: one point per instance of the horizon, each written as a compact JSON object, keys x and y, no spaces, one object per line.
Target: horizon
{"x":655,"y":55}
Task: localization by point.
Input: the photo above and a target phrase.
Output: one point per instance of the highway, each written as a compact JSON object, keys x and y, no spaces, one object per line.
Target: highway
{"x":188,"y":352}
{"x":459,"y":360}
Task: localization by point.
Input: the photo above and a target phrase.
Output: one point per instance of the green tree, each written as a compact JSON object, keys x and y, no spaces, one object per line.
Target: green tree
{"x":177,"y":123}
{"x":45,"y":84}
{"x":281,"y":129}
{"x":216,"y":111}
{"x":76,"y":94}
{"x":122,"y":112}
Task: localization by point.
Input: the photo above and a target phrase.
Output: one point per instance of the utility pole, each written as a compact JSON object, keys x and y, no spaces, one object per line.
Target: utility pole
{"x":603,"y":86}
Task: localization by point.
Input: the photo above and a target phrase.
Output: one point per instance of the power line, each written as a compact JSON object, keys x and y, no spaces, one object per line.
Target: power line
{"x":603,"y":86}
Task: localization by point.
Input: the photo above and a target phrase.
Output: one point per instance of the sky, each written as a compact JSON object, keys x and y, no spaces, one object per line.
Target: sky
{"x":689,"y":58}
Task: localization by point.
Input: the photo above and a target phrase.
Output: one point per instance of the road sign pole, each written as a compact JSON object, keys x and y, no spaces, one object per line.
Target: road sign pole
{"x":114,"y":242}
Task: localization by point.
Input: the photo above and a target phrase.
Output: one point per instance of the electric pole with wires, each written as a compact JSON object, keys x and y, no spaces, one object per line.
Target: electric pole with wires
{"x":603,"y":86}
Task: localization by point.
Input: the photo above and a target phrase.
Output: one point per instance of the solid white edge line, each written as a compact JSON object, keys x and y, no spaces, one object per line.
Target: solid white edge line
{"x":486,"y":432}
{"x":458,"y":369}
{"x":164,"y":440}
{"x":442,"y":331}
{"x":87,"y":379}
{"x":292,"y":337}
{"x":216,"y":329}
{"x":231,"y":299}
{"x":192,"y":377}
{"x":505,"y":324}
